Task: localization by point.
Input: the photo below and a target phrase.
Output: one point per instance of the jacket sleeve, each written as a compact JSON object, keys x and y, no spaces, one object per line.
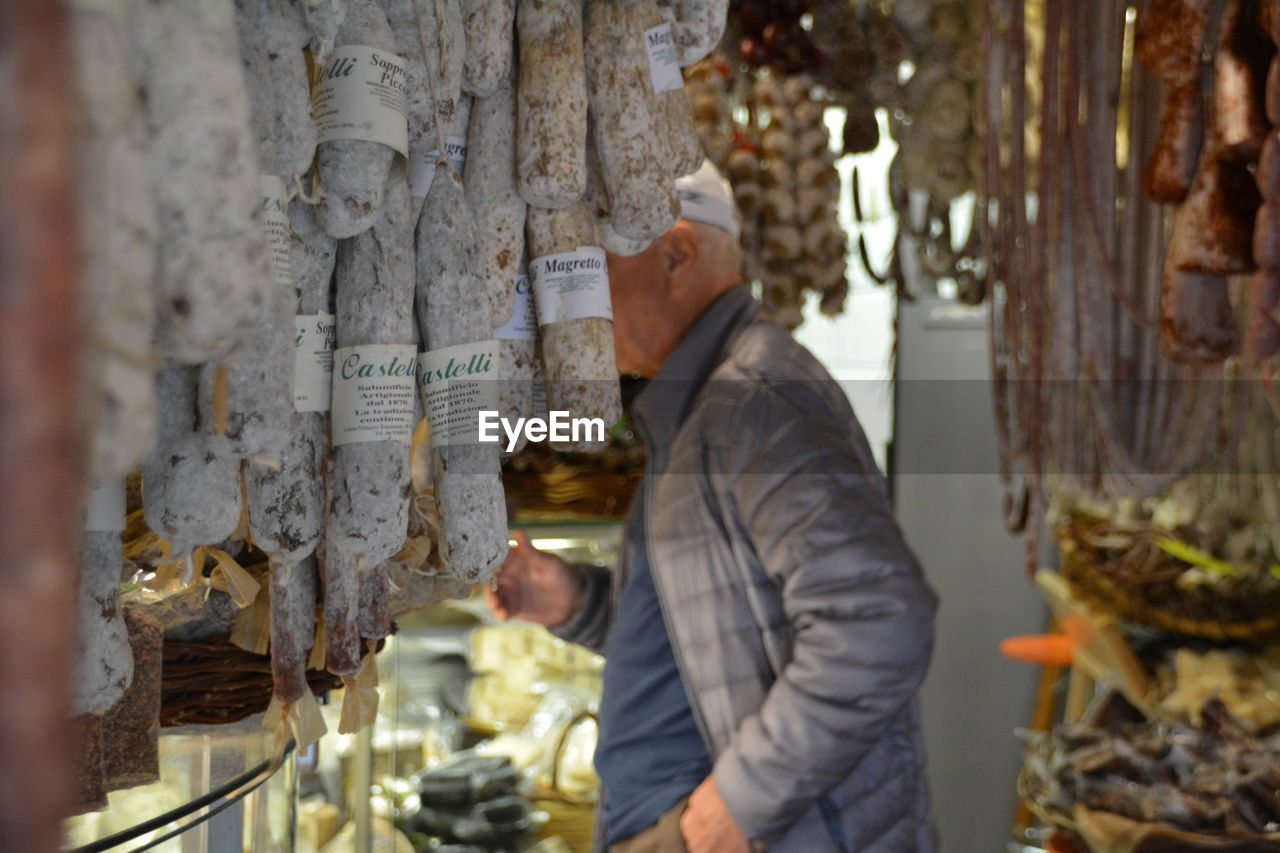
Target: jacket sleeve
{"x":590,"y":625}
{"x":814,"y":508}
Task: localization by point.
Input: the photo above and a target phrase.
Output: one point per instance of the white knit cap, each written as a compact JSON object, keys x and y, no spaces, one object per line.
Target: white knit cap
{"x":705,"y":196}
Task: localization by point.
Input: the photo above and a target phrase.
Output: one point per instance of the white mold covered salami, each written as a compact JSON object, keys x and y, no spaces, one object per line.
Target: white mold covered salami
{"x":259,"y":381}
{"x":191,"y":481}
{"x":204,"y":176}
{"x":551,"y":136}
{"x":286,"y":513}
{"x":598,"y":199}
{"x":487,"y":25}
{"x":577,"y":351}
{"x":369,"y":486}
{"x":104,"y":661}
{"x":634,"y":159}
{"x":405,"y":18}
{"x":324,"y":18}
{"x":490,"y":191}
{"x":354,"y":172}
{"x":118,"y":232}
{"x":698,"y":28}
{"x":454,"y":311}
{"x":674,"y":107}
{"x":293,"y":129}
{"x":445,"y":55}
{"x":104,"y":664}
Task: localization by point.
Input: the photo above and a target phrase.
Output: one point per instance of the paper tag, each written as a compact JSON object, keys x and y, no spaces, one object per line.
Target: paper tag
{"x":373,"y":389}
{"x":363,"y":93}
{"x":523,"y":325}
{"x":422,"y":166}
{"x":571,"y":285}
{"x":104,"y":509}
{"x":456,"y":384}
{"x":313,"y":361}
{"x":664,"y":67}
{"x":274,"y":205}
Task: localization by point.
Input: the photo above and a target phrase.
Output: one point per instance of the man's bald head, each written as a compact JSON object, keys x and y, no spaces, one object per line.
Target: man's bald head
{"x":660,"y":293}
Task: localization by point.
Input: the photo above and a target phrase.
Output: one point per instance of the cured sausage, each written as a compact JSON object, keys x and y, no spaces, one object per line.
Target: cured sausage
{"x":293,"y":625}
{"x":1197,"y":319}
{"x":324,"y":18}
{"x":1172,"y":167}
{"x":369,"y":494}
{"x":676,"y":113}
{"x":204,"y":177}
{"x":577,"y":354}
{"x":118,"y":232}
{"x":353,"y":172}
{"x":488,"y":27}
{"x":643,"y":204}
{"x":453,"y":311}
{"x":191,"y":481}
{"x":1239,"y":83}
{"x":490,"y":193}
{"x":551,"y":133}
{"x":104,"y":663}
{"x":698,"y":28}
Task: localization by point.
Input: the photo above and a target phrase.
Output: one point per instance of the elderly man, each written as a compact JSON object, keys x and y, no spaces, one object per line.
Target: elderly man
{"x":767,"y":630}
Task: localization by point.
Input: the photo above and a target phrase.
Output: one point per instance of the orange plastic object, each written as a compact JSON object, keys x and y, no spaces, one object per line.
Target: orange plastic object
{"x":1059,"y":843}
{"x":1042,"y":649}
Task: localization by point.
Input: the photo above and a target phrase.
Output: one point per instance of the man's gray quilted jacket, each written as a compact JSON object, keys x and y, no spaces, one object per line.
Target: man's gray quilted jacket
{"x":800,"y":620}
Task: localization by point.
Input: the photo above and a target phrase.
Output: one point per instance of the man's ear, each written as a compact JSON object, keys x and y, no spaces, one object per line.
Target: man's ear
{"x":680,"y":255}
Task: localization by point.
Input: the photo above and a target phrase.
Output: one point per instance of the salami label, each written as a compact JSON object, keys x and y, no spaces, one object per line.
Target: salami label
{"x":313,"y":361}
{"x":571,"y":285}
{"x":104,"y":509}
{"x":274,"y":206}
{"x":373,"y":389}
{"x":363,"y":94}
{"x":540,"y":407}
{"x":456,"y":384}
{"x":523,"y":325}
{"x":422,"y":168}
{"x":664,"y":67}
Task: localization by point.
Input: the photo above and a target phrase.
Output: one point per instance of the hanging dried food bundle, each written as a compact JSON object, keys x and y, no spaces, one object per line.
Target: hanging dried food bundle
{"x":551,"y":87}
{"x":373,"y":387}
{"x":633,"y":158}
{"x":458,"y":377}
{"x":499,"y":212}
{"x":104,"y":663}
{"x":803,"y":244}
{"x":488,"y":26}
{"x":191,"y":481}
{"x":571,"y":290}
{"x":360,"y":104}
{"x":204,"y":176}
{"x":118,"y":233}
{"x":1169,"y":42}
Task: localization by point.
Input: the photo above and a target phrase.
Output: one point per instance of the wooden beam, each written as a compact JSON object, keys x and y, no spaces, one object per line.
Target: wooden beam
{"x":40,"y":448}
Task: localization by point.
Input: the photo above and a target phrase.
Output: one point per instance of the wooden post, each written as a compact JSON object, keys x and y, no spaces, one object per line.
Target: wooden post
{"x":40,"y":448}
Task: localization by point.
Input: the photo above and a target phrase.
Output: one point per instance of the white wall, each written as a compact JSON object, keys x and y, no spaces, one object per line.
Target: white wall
{"x":948,"y":500}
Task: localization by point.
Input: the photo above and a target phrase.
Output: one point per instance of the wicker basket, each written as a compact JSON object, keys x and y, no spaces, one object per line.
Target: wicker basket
{"x":571,"y":819}
{"x":216,"y":682}
{"x":1237,"y":609}
{"x":570,"y":493}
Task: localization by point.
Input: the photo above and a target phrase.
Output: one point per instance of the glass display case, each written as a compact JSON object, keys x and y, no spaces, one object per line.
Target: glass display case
{"x":222,"y":788}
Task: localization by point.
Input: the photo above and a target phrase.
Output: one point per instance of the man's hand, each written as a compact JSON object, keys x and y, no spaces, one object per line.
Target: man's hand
{"x":534,"y":586}
{"x":708,"y":827}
